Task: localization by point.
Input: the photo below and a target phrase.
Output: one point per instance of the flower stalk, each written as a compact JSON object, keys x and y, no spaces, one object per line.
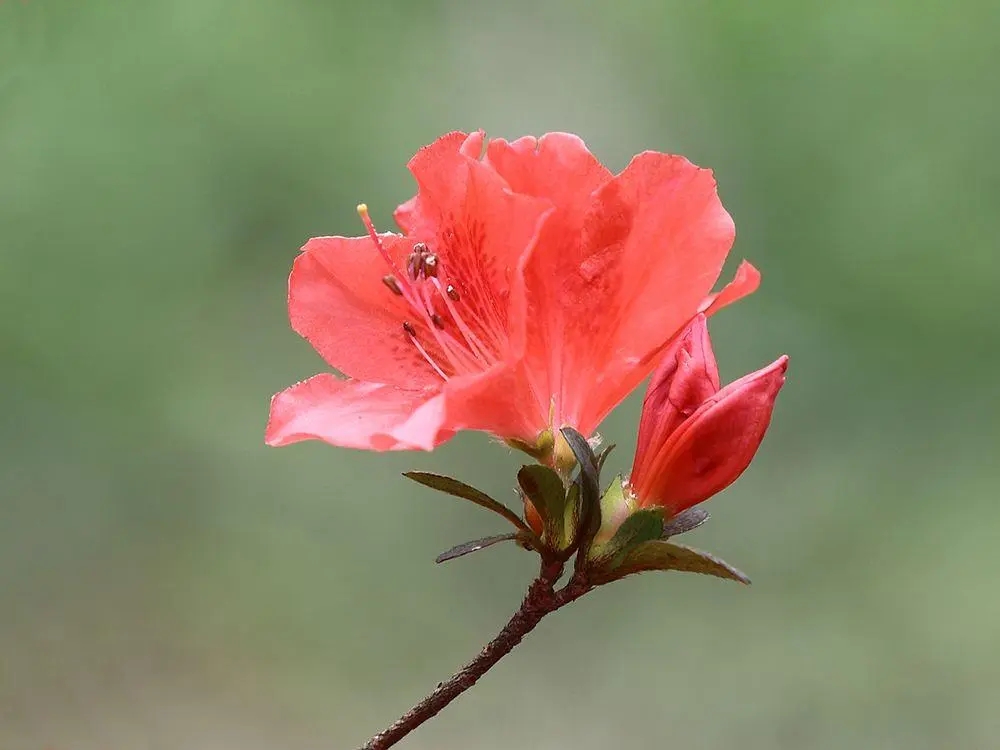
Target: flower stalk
{"x":541,"y":599}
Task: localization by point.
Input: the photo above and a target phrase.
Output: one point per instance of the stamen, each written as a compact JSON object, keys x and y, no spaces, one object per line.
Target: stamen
{"x":430,"y":264}
{"x":404,"y":290}
{"x":414,"y":265}
{"x":412,"y":333}
{"x":453,"y":340}
{"x":367,"y":221}
{"x":421,"y":263}
{"x":390,"y":281}
{"x":471,"y":340}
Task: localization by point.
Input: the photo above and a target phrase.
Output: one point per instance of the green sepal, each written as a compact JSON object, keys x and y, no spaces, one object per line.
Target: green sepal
{"x":459,"y":550}
{"x":639,"y":527}
{"x":613,"y":498}
{"x":540,"y":450}
{"x":657,"y":554}
{"x":454,"y":487}
{"x":589,"y":482}
{"x":544,"y":489}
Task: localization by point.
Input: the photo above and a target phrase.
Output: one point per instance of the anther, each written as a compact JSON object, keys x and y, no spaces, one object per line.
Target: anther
{"x":430,"y":264}
{"x":437,"y":320}
{"x":414,"y":265}
{"x":408,"y":327}
{"x":390,"y":281}
{"x":452,"y":293}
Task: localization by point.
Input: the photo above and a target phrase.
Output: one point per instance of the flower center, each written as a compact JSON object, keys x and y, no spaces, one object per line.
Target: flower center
{"x":446,"y":328}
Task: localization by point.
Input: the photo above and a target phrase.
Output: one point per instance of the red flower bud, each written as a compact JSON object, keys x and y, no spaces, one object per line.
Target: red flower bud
{"x":695,"y":439}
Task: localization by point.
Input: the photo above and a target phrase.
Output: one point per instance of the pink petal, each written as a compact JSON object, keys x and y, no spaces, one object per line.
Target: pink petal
{"x":499,"y":401}
{"x":557,"y":167}
{"x":356,"y":414}
{"x":652,"y":245}
{"x":432,"y":165}
{"x":480,"y":230}
{"x":338,"y":302}
{"x":744,"y":283}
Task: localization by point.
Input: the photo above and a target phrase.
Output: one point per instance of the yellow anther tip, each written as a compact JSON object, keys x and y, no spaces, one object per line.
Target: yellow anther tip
{"x":362,"y":209}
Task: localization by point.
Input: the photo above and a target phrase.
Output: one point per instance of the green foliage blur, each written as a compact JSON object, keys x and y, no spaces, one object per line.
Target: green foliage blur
{"x":166,"y":581}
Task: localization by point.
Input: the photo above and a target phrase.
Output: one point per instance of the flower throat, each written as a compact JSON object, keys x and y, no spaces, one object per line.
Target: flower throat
{"x":450,"y":344}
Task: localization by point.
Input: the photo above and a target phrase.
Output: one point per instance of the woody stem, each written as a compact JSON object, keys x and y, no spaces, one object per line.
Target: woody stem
{"x":541,"y":599}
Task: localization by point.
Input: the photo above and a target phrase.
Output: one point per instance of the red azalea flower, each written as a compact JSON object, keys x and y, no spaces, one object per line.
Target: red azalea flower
{"x":695,"y":439}
{"x":532,"y":289}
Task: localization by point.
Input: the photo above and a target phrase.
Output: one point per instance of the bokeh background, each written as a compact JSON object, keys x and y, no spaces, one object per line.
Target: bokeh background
{"x":166,"y":581}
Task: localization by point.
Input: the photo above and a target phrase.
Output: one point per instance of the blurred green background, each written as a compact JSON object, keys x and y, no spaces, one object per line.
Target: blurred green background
{"x":166,"y":581}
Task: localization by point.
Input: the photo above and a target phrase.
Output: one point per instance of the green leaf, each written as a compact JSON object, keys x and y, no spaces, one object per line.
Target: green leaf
{"x":588,"y":464}
{"x":684,"y":521}
{"x":660,"y":555}
{"x":466,"y":492}
{"x":589,"y":481}
{"x":640,"y":526}
{"x":475,"y":545}
{"x":546,"y":491}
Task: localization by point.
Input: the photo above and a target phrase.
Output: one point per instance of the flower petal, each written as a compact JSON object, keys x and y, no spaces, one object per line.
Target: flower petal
{"x":716,"y":445}
{"x":433,"y":166}
{"x":744,"y":283}
{"x":339,"y":304}
{"x":687,"y":377}
{"x":557,"y":166}
{"x":480,"y":230}
{"x":652,"y":245}
{"x":499,"y":401}
{"x":357,"y":414}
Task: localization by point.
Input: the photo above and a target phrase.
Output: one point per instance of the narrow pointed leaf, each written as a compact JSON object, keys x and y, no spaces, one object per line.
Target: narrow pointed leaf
{"x":660,"y":555}
{"x":456,"y":488}
{"x":589,"y":481}
{"x":588,"y":462}
{"x":545,"y":489}
{"x":475,"y":545}
{"x":684,"y":521}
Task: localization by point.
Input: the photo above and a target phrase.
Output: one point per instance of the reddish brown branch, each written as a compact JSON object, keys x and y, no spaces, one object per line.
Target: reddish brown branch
{"x":540,"y":600}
